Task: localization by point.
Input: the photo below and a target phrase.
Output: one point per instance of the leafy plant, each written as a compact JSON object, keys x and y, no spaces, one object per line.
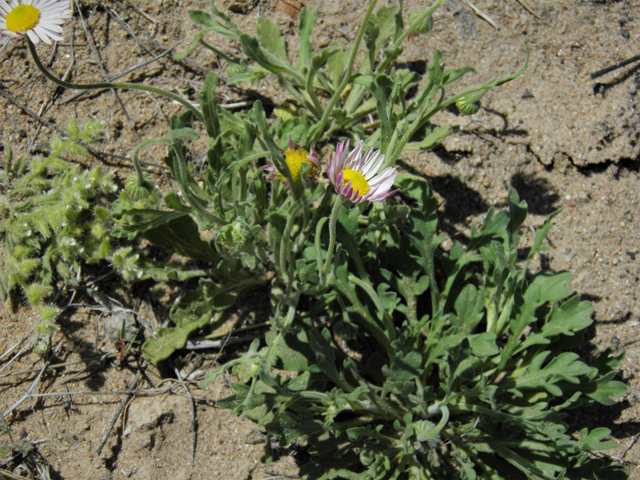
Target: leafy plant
{"x":437,"y":364}
{"x":389,"y":356}
{"x":376,"y":87}
{"x":53,"y":222}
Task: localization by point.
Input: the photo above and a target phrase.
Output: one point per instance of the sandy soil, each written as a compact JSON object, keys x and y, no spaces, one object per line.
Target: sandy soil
{"x":562,"y":139}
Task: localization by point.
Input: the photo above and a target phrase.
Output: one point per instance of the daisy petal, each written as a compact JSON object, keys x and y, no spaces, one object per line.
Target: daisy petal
{"x":361,"y":169}
{"x":44,"y":24}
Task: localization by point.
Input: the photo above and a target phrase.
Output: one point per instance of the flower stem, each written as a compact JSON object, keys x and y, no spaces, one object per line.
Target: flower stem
{"x":315,"y":133}
{"x":284,"y":241}
{"x":332,"y":233}
{"x":97,"y":86}
{"x":136,"y":153}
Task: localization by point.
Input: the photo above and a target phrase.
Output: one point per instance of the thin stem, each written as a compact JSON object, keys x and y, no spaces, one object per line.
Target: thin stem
{"x":136,"y":153}
{"x":312,"y":94}
{"x":317,"y":131}
{"x":388,"y":322}
{"x":96,"y":86}
{"x":398,"y":41}
{"x":217,"y":52}
{"x":284,"y":241}
{"x":45,"y":164}
{"x":332,"y":233}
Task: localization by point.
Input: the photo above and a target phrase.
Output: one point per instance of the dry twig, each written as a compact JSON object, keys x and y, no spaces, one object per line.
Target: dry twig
{"x":123,"y":403}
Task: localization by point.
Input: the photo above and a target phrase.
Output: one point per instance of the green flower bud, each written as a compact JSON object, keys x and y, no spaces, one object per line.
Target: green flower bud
{"x":137,"y":191}
{"x":424,"y":26}
{"x":468,"y":106}
{"x":367,"y":455}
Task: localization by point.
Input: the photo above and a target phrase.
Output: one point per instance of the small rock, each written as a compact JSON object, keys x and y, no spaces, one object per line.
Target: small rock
{"x":127,"y":472}
{"x":240,"y":6}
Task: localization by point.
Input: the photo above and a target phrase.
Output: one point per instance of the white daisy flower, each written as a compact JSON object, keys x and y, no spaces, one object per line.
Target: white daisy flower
{"x":40,"y":20}
{"x":356,"y":176}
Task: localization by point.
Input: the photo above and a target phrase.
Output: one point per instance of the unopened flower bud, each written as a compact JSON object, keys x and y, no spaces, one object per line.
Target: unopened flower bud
{"x":468,"y":105}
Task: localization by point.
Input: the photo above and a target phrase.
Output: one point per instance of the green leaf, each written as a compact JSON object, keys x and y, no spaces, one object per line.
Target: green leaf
{"x":306,"y":21}
{"x":452,"y":75}
{"x":209,"y":107}
{"x":271,"y":39}
{"x":469,"y":308}
{"x":175,"y":231}
{"x":202,"y":18}
{"x":517,"y":212}
{"x":214,"y":25}
{"x":184,"y":134}
{"x":291,"y":427}
{"x":572,"y":317}
{"x":385,"y":18}
{"x":294,"y":352}
{"x":593,"y":440}
{"x":381,"y":89}
{"x":320,"y":60}
{"x":252,"y":49}
{"x":484,"y":345}
{"x":171,"y":339}
{"x":320,"y":343}
{"x":603,"y":389}
{"x":431,"y":139}
{"x":336,"y":65}
{"x":566,"y":366}
{"x":492,"y":228}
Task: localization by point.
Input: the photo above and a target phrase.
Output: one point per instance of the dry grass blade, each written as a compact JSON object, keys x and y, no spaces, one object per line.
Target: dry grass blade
{"x":483,"y":15}
{"x":528,"y":8}
{"x":137,"y":10}
{"x":9,"y":474}
{"x":28,"y":395}
{"x":126,"y":72}
{"x":100,"y":64}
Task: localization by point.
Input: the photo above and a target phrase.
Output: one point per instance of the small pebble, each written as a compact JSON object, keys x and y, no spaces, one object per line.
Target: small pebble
{"x":127,"y":472}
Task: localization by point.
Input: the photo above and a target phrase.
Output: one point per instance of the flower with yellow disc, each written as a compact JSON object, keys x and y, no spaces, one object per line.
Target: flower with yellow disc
{"x":40,"y":20}
{"x":356,"y":177}
{"x":295,"y":156}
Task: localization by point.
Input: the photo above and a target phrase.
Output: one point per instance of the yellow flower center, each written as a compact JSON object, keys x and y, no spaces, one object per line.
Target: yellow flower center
{"x":23,"y":18}
{"x":358,"y":182}
{"x":295,"y":159}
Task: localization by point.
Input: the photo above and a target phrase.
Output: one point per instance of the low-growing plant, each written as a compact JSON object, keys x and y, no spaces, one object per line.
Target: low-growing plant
{"x":430,"y":363}
{"x":389,"y":356}
{"x":54,"y":221}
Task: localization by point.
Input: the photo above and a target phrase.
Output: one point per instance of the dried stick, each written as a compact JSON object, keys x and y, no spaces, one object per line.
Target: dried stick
{"x":28,"y":395}
{"x":140,"y":12}
{"x":123,"y":402}
{"x":631,"y":444}
{"x":616,"y":66}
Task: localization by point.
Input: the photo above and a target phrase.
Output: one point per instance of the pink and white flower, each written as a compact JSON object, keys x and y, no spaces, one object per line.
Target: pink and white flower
{"x":356,"y":177}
